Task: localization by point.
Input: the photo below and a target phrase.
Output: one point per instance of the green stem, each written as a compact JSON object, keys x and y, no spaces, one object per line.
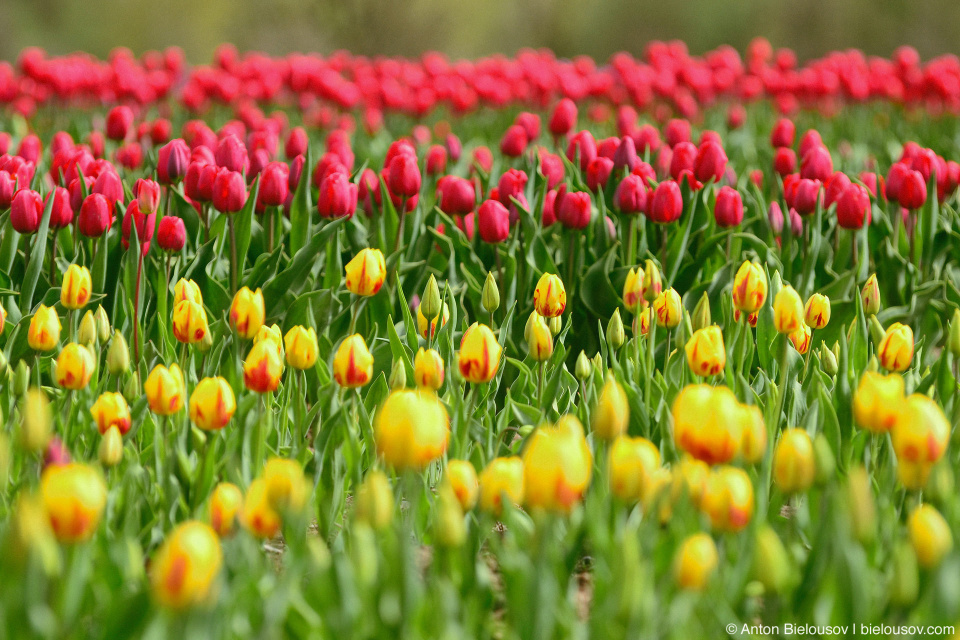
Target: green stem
{"x":782,"y":391}
{"x":233,"y":254}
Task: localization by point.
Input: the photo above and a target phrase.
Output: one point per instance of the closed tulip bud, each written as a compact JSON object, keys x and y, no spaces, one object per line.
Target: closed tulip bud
{"x":633,"y":290}
{"x":557,"y":466}
{"x":870,"y":296}
{"x":74,"y":496}
{"x":301,"y":347}
{"x":583,"y":369}
{"x":189,"y":322}
{"x":366,"y":273}
{"x":165,"y":390}
{"x":701,"y":313}
{"x":110,"y":451}
{"x":109,"y":411}
{"x":26,"y":211}
{"x":794,"y":461}
{"x":75,"y":366}
{"x":131,"y":388}
{"x":539,"y":338}
{"x":612,"y":414}
{"x":930,"y":536}
{"x":787,"y":310}
{"x":186,"y":290}
{"x":76,"y":288}
{"x":118,"y":355}
{"x":706,"y":354}
{"x":247,"y":312}
{"x":896,"y":348}
{"x":229,"y":191}
{"x":555,"y":324}
{"x":398,"y":375}
{"x":904,"y":584}
{"x":728,"y":499}
{"x":652,"y":282}
{"x":615,"y":332}
{"x":940,"y":485}
{"x":375,"y":503}
{"x":707,"y":423}
{"x":598,"y":362}
{"x":411,"y":429}
{"x":695,"y":562}
{"x":749,"y":287}
{"x":666,"y":205}
{"x":800,"y":339}
{"x":450,"y":528}
{"x":461,"y":477}
{"x":479,"y":354}
{"x":490,"y":297}
{"x":403,"y":175}
{"x":36,"y":420}
{"x":632,"y":462}
{"x":550,"y":297}
{"x":861,"y":505}
{"x":262,"y":368}
{"x":816,"y":313}
{"x":753,"y":440}
{"x":185,"y":568}
{"x":87,"y":334}
{"x":502,"y":479}
{"x":212,"y":404}
{"x":225,"y":504}
{"x":353,"y":364}
{"x":427,"y":369}
{"x":21,"y":378}
{"x":44,"y":331}
{"x":772,"y":566}
{"x":431,"y":299}
{"x":920,"y":433}
{"x":668,"y":309}
{"x":428,"y":330}
{"x":828,"y":360}
{"x":877,"y":401}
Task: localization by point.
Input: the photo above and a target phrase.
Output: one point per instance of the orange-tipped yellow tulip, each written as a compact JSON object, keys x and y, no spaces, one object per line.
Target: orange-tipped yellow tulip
{"x":633,"y":290}
{"x":896,"y":349}
{"x":501,"y":479}
{"x":612,"y":413}
{"x":695,"y":562}
{"x":668,"y":309}
{"x":921,"y":431}
{"x":184,"y":569}
{"x":462,"y":478}
{"x":930,"y":535}
{"x":353,"y":364}
{"x":411,"y":429}
{"x":800,"y":339}
{"x":75,"y":366}
{"x":794,"y":462}
{"x":262,"y":368}
{"x":707,"y":423}
{"x":550,"y":297}
{"x":706,"y":353}
{"x":247,"y":312}
{"x":556,"y":466}
{"x":479,"y":354}
{"x":301,"y":347}
{"x":728,"y":499}
{"x":787,"y":310}
{"x":816,"y":313}
{"x":74,"y":496}
{"x":428,"y":369}
{"x":257,"y":514}
{"x":76,"y":287}
{"x":212,"y":404}
{"x":165,"y":390}
{"x":877,"y":400}
{"x":870,"y":296}
{"x":749,"y":288}
{"x":287,"y":488}
{"x":225,"y":503}
{"x":44,"y":331}
{"x":632,"y":462}
{"x":186,"y":290}
{"x":428,"y":330}
{"x":111,"y":410}
{"x":366,"y":273}
{"x":190,"y":322}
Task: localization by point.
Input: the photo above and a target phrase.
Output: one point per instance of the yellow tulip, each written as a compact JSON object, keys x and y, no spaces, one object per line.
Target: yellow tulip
{"x":301,"y":347}
{"x":539,"y":338}
{"x":353,"y":364}
{"x":247,"y":312}
{"x":44,"y":331}
{"x":76,"y":287}
{"x":428,"y":369}
{"x":921,"y":431}
{"x":428,"y":331}
{"x":411,"y":429}
{"x":165,"y":390}
{"x":375,"y":502}
{"x":366,"y":273}
{"x":212,"y":404}
{"x":877,"y":400}
{"x":462,"y":478}
{"x":706,"y":354}
{"x":287,"y":487}
{"x":271,"y":334}
{"x":36,"y":420}
{"x":556,"y":466}
{"x":185,"y":567}
{"x":479,"y":354}
{"x":800,"y":339}
{"x":896,"y":349}
{"x":502,"y":478}
{"x":668,"y":309}
{"x":816,"y":313}
{"x":707,"y":423}
{"x":225,"y":503}
{"x":695,"y":562}
{"x":189,"y":322}
{"x":75,"y":366}
{"x":749,"y":288}
{"x":787,"y":310}
{"x":186,"y":290}
{"x":794,"y":465}
{"x":612,"y":413}
{"x":74,"y":496}
{"x":728,"y":499}
{"x":111,"y":410}
{"x":257,"y":514}
{"x":632,"y":462}
{"x":550,"y":297}
{"x":262,"y":368}
{"x":870,"y":296}
{"x":753,"y":442}
{"x":930,"y":535}
{"x":633,"y":290}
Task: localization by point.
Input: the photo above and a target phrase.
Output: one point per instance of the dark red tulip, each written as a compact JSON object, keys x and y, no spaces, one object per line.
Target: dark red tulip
{"x":808,"y":194}
{"x":511,"y":185}
{"x":711,"y":162}
{"x":514,"y":141}
{"x":229,"y":191}
{"x":436,"y":160}
{"x":144,"y":223}
{"x":783,"y":133}
{"x":259,"y":159}
{"x":403,"y":176}
{"x":172,"y":161}
{"x":598,"y":173}
{"x":728,"y":209}
{"x":148,"y":194}
{"x":631,"y":195}
{"x":784,"y":161}
{"x":274,"y":186}
{"x":494,"y":221}
{"x":667,"y":203}
{"x":95,"y":216}
{"x":231,"y":154}
{"x":76,"y":191}
{"x":119,"y":121}
{"x":574,"y":210}
{"x":61,"y":214}
{"x":898,"y":171}
{"x":338,"y":196}
{"x":835,"y":185}
{"x":455,"y":195}
{"x":816,"y":164}
{"x":913,"y":190}
{"x":171,"y":234}
{"x":26,"y":211}
{"x":564,"y":118}
{"x":853,"y":207}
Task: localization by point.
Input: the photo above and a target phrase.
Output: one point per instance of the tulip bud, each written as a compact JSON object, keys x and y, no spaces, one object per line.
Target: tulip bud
{"x":953,"y":340}
{"x":652,"y":283}
{"x":771,"y":562}
{"x":787,"y":310}
{"x":36,"y":420}
{"x":612,"y":413}
{"x":695,"y":562}
{"x":816,"y":313}
{"x":877,"y":332}
{"x":701,"y":313}
{"x":430,"y":305}
{"x":4,"y":367}
{"x":353,"y":364}
{"x":301,"y":348}
{"x":794,"y":461}
{"x":930,"y":535}
{"x":706,"y":354}
{"x":118,"y":355}
{"x":633,"y":290}
{"x":824,"y":460}
{"x":550,"y":296}
{"x":873,"y":365}
{"x":491,"y":295}
{"x":615,"y":333}
{"x":828,"y":360}
{"x":870,"y":296}
{"x":131,"y":389}
{"x":103,"y":324}
{"x":895,"y":350}
{"x":598,"y":362}
{"x":539,"y":338}
{"x":374,"y":503}
{"x":398,"y":375}
{"x":904,"y":585}
{"x":247,"y":312}
{"x":461,"y":477}
{"x":428,"y":369}
{"x":749,"y":287}
{"x":582,"y":369}
{"x":44,"y":331}
{"x":21,"y":378}
{"x":366,"y":273}
{"x":87,"y":334}
{"x":225,"y":504}
{"x":450,"y":527}
{"x":668,"y":309}
{"x":110,"y":451}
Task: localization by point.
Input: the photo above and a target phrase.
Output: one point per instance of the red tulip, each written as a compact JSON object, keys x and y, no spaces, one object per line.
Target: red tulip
{"x":274,"y":186}
{"x":913,"y":190}
{"x":834,"y":187}
{"x":584,"y":146}
{"x":626,"y":155}
{"x":231,"y":154}
{"x":574,"y":210}
{"x":368,"y":191}
{"x":455,"y":195}
{"x":130,"y":155}
{"x":8,"y":187}
{"x":119,"y":121}
{"x":775,"y":217}
{"x":816,"y":164}
{"x":483,"y":159}
{"x":514,"y":141}
{"x":631,"y":195}
{"x":26,"y":211}
{"x":677,"y":131}
{"x":171,"y":234}
{"x":530,"y":123}
{"x":784,"y":161}
{"x":783,"y":133}
{"x":728,"y":209}
{"x":683,"y":159}
{"x":160,"y":131}
{"x":436,"y":160}
{"x":145,"y":224}
{"x":61,"y":214}
{"x":667,"y":203}
{"x":454,"y":148}
{"x":403,"y":176}
{"x":808,"y":141}
{"x":229,"y":191}
{"x":549,"y":214}
{"x":598,"y":173}
{"x":494,"y":221}
{"x":564,"y":118}
{"x":95,"y":216}
{"x":898,"y":171}
{"x":853,"y":207}
{"x":338,"y":196}
{"x":646,"y":138}
{"x":512,"y":183}
{"x":297,"y":143}
{"x":808,"y":194}
{"x":551,"y":166}
{"x":711,"y":162}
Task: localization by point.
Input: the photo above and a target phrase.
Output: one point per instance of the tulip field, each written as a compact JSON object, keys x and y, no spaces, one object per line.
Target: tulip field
{"x":326,"y":346}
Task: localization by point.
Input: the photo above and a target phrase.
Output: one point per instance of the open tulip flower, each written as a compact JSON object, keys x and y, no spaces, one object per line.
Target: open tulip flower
{"x":521,"y":346}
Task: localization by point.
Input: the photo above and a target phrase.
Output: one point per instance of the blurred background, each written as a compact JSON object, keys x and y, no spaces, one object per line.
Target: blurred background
{"x":468,"y":29}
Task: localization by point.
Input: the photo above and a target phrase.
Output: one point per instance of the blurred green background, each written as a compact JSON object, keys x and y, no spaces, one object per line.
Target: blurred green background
{"x":469,"y":29}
